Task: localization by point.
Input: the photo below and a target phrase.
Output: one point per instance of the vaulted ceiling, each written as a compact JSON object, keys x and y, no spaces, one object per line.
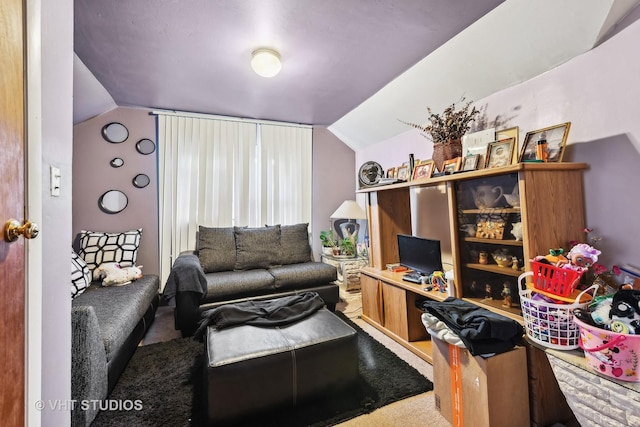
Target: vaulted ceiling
{"x":355,"y":66}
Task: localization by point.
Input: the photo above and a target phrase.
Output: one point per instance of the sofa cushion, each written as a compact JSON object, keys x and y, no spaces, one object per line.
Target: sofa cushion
{"x":295,"y":246}
{"x":257,"y":247}
{"x":303,"y":275}
{"x":80,"y":275}
{"x":119,"y":308}
{"x":238,"y":284}
{"x":216,"y":248}
{"x":97,"y":247}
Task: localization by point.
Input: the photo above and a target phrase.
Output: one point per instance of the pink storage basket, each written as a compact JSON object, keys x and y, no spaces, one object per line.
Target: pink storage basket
{"x":610,"y":353}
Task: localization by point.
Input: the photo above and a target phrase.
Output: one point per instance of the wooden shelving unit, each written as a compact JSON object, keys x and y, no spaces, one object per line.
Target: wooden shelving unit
{"x":551,"y":211}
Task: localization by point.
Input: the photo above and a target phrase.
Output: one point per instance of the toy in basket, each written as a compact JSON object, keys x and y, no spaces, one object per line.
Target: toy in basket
{"x":547,"y":323}
{"x":554,"y":280}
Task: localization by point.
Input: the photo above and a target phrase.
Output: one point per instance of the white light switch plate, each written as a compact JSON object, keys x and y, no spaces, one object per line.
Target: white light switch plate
{"x":55,"y":181}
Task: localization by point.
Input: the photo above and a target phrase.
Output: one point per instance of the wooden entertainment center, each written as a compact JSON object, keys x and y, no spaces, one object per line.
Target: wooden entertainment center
{"x":547,"y":200}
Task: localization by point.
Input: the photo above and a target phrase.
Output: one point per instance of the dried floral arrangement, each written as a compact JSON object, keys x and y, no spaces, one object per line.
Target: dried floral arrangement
{"x":451,"y":125}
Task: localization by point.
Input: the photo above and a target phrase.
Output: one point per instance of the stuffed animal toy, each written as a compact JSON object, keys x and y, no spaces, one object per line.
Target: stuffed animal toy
{"x":111,"y":273}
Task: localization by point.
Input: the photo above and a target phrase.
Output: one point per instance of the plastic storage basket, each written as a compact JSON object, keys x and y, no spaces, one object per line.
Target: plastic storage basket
{"x":612,"y":354}
{"x":548,"y":324}
{"x":555,"y":280}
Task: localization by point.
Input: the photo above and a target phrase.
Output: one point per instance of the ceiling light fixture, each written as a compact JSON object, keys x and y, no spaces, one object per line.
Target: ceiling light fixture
{"x":266,"y":62}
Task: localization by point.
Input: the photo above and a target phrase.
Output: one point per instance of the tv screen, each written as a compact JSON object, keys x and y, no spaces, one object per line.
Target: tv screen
{"x":420,"y":254}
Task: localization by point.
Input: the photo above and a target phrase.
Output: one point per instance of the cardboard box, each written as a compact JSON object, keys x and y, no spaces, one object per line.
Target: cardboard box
{"x":474,"y":391}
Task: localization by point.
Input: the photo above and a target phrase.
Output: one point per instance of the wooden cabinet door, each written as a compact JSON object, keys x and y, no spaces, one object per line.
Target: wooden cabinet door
{"x":395,"y":310}
{"x":372,"y":299}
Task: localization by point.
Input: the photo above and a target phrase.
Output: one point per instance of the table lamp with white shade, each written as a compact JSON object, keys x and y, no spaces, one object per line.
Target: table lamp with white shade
{"x":350,"y":210}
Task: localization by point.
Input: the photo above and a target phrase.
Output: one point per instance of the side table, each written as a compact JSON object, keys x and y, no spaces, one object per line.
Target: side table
{"x":348,"y":269}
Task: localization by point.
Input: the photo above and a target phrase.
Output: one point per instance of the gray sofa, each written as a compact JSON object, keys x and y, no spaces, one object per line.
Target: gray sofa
{"x":232,"y":264}
{"x":107,"y":326}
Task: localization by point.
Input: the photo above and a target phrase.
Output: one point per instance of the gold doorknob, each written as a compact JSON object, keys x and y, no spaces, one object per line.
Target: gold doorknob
{"x":13,"y":230}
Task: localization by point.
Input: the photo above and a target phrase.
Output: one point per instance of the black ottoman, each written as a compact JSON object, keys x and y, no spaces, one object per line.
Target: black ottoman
{"x":250,"y":369}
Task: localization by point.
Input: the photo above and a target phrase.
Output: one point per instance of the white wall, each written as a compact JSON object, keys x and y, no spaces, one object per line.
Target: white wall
{"x":598,"y":93}
{"x":56,"y":39}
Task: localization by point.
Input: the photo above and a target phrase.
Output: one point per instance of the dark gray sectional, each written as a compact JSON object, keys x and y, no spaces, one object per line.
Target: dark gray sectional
{"x":233,"y":264}
{"x":107,"y":323}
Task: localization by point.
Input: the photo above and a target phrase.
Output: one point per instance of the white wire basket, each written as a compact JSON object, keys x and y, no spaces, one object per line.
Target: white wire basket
{"x":549,"y":324}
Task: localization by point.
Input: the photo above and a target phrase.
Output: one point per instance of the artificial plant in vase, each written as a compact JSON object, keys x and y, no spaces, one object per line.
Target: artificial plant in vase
{"x":446,"y":130}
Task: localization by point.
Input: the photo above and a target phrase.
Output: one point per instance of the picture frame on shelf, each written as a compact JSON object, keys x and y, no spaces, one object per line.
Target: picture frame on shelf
{"x":476,"y":143}
{"x":512,"y":132}
{"x":470,"y":162}
{"x":423,"y":169}
{"x":452,"y":165}
{"x":499,"y":153}
{"x":403,"y":173}
{"x":556,"y":137}
{"x":391,"y":172}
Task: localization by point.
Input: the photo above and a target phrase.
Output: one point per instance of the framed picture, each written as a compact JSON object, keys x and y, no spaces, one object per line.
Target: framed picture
{"x":513,"y":132}
{"x":452,"y":165}
{"x":476,"y":143}
{"x":499,"y":153}
{"x":556,"y":137}
{"x":470,"y":162}
{"x":423,"y":169}
{"x":403,"y":172}
{"x":391,"y":173}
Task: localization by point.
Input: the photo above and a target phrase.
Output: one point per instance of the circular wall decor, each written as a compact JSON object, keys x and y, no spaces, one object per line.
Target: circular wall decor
{"x":115,"y":132}
{"x":145,"y":146}
{"x":370,"y":173}
{"x":113,"y":202}
{"x":141,"y":180}
{"x":116,"y":162}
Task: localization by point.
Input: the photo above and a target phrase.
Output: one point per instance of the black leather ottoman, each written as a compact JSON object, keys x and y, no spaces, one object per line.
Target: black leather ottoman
{"x":251,"y":369}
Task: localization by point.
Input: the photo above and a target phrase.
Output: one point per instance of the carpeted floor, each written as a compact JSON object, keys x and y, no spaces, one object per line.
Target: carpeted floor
{"x":166,"y":379}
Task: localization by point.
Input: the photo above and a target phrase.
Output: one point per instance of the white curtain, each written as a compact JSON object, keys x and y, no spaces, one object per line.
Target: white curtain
{"x":221,"y":172}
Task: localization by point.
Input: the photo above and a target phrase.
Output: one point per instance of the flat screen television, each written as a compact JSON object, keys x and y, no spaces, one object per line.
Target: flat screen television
{"x":419,"y":254}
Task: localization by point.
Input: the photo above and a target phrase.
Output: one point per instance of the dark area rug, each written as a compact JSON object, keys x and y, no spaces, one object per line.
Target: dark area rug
{"x":167,"y":381}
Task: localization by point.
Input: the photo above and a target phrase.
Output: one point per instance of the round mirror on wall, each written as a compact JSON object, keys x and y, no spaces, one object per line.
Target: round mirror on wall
{"x":145,"y":146}
{"x":113,"y":202}
{"x":141,"y":180}
{"x":115,"y":132}
{"x":116,"y":162}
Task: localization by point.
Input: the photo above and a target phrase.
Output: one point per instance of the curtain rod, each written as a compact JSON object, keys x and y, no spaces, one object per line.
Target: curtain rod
{"x":226,"y":118}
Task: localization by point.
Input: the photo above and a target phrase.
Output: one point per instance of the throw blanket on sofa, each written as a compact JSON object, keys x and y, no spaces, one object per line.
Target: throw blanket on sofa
{"x":186,"y":276}
{"x":481,"y":330}
{"x":273,"y":312}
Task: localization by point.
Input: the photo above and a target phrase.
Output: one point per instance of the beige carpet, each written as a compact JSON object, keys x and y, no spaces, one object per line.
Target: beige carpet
{"x":415,"y":411}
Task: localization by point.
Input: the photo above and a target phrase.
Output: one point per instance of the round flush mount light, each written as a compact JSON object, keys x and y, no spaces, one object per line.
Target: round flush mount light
{"x":266,"y":62}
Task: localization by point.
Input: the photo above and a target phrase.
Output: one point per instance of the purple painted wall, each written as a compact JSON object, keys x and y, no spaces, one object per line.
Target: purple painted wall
{"x":333,"y":180}
{"x":93,"y":175}
{"x":598,"y":93}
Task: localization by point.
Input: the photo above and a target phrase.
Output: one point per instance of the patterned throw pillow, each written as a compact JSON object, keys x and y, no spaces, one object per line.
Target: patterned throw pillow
{"x":98,"y":247}
{"x":80,"y":275}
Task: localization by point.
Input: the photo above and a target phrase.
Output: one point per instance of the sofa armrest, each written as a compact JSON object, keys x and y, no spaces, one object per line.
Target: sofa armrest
{"x":88,"y":364}
{"x":186,"y":275}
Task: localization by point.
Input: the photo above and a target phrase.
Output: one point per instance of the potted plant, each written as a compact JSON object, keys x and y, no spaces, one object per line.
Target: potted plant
{"x":329,"y":242}
{"x":446,"y":130}
{"x":347,"y":247}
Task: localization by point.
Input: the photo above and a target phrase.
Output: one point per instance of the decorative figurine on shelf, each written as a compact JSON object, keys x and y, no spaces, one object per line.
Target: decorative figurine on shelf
{"x":483,"y":258}
{"x":506,"y":294}
{"x":514,"y":263}
{"x":487,"y":291}
{"x":474,"y":289}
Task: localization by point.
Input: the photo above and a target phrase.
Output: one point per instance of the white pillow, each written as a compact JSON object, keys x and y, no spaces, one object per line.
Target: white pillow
{"x":80,"y":275}
{"x":99,"y":247}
